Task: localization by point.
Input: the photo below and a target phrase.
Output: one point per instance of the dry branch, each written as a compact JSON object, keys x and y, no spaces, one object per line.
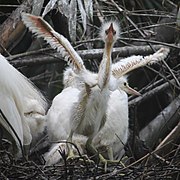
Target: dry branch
{"x":152,"y":92}
{"x":45,"y":56}
{"x":172,"y":137}
{"x":161,"y":125}
{"x":12,"y":29}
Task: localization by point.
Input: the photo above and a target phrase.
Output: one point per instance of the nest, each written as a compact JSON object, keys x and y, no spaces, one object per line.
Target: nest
{"x":150,"y":166}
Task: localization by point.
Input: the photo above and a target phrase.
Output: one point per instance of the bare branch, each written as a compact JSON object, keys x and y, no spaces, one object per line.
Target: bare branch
{"x":158,"y":127}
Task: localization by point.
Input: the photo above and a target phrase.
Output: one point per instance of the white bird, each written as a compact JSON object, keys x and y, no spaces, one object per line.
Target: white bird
{"x":110,"y":139}
{"x":57,"y":41}
{"x":88,"y":114}
{"x":68,"y":103}
{"x":22,"y":105}
{"x":42,"y":29}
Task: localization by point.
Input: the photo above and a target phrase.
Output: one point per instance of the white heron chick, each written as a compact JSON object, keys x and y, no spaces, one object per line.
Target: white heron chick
{"x":20,"y":103}
{"x":57,"y":41}
{"x":88,"y":114}
{"x":113,"y":135}
{"x":65,"y":106}
{"x":42,"y":29}
{"x":111,"y":138}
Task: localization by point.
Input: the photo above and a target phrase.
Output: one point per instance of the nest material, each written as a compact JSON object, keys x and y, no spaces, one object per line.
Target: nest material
{"x":150,"y":166}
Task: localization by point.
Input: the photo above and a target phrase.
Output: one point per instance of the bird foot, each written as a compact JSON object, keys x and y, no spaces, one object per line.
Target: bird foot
{"x":82,"y":158}
{"x":103,"y":161}
{"x":86,"y":159}
{"x":71,"y":154}
{"x":107,"y":161}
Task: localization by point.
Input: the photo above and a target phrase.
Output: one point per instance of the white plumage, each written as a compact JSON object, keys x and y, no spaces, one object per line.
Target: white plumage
{"x":58,"y":116}
{"x":75,"y":80}
{"x":88,"y":114}
{"x":57,"y":41}
{"x":21,"y":103}
{"x":133,"y":62}
{"x":82,"y":112}
{"x":108,"y":140}
{"x":113,"y":135}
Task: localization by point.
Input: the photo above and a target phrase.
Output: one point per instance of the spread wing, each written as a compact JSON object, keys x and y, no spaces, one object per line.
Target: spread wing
{"x":57,"y":41}
{"x":128,"y":64}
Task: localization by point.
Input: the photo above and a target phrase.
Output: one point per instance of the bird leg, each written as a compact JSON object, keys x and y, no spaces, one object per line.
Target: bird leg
{"x":71,"y":155}
{"x":69,"y":146}
{"x":91,"y":149}
{"x":111,"y":158}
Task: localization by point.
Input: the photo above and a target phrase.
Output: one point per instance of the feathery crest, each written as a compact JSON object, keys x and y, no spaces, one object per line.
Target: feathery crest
{"x":41,"y":28}
{"x":106,"y":25}
{"x":128,"y":64}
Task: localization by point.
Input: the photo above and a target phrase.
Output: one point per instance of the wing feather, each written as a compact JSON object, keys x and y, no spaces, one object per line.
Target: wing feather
{"x":41,"y":28}
{"x":128,"y":64}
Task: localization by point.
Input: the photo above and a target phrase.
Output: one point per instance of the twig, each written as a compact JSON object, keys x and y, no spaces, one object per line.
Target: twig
{"x":151,"y":93}
{"x":170,"y":137}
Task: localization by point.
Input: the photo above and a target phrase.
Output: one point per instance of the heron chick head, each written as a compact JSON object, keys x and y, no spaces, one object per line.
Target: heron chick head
{"x":123,"y":85}
{"x":109,"y":32}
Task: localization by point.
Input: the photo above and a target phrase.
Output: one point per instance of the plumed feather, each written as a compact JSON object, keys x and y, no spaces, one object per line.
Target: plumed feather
{"x":128,"y":64}
{"x":9,"y":109}
{"x":57,"y":41}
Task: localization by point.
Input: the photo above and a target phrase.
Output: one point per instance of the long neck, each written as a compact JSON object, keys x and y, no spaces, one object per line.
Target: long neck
{"x":105,"y":67}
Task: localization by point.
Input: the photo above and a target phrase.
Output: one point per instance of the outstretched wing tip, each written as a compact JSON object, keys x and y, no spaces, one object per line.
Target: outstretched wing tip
{"x":135,"y":62}
{"x":41,"y":28}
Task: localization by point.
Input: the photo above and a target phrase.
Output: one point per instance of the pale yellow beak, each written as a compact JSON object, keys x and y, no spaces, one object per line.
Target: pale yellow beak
{"x":132,"y":91}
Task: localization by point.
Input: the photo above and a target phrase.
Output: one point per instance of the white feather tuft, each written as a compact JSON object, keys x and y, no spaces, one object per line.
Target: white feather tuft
{"x":106,"y":25}
{"x":128,"y":64}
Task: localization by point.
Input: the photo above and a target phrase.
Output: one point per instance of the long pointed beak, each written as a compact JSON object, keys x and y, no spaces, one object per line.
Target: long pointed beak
{"x":132,"y":91}
{"x":111,"y":29}
{"x":110,"y":32}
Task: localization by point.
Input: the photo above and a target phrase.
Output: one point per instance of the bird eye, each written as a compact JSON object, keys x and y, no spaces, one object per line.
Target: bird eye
{"x":106,"y":31}
{"x":114,"y":32}
{"x":125,"y":83}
